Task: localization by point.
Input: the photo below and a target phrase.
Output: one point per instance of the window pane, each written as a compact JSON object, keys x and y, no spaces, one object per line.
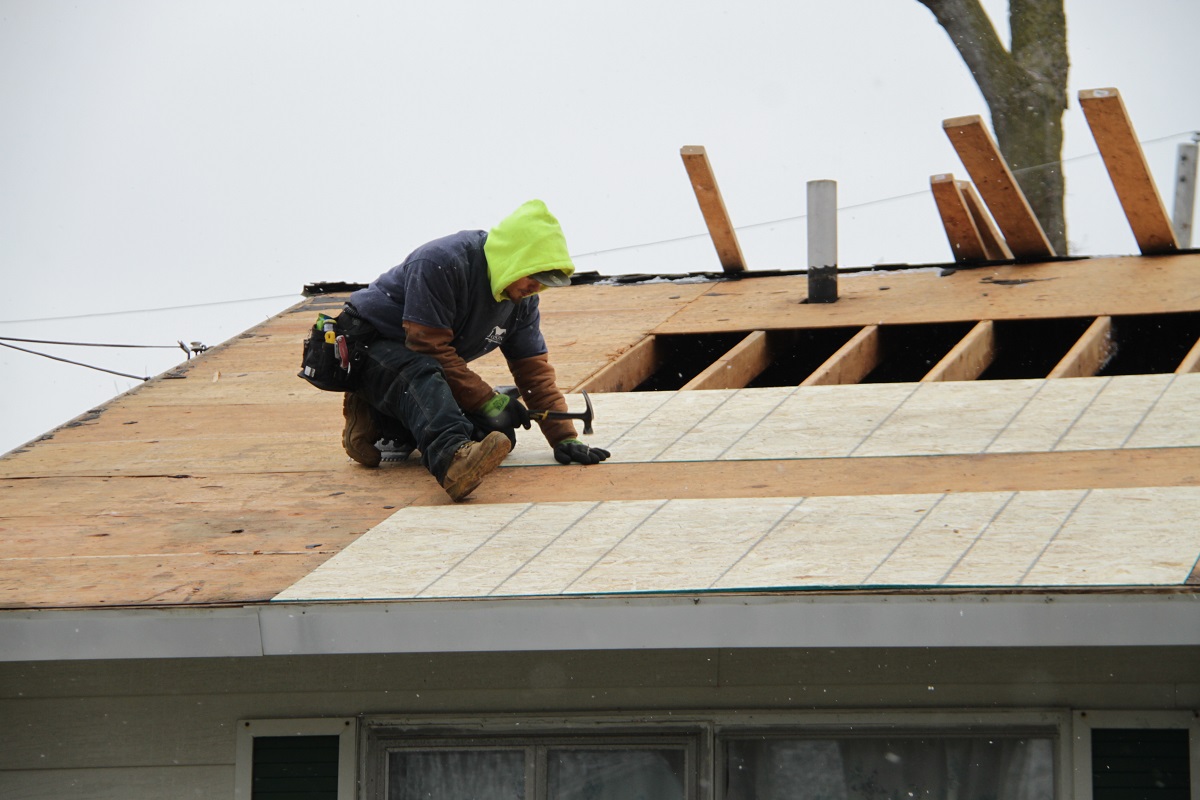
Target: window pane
{"x":632,"y":774}
{"x":1140,"y":762}
{"x":295,"y":767}
{"x":456,"y":775}
{"x":900,"y":768}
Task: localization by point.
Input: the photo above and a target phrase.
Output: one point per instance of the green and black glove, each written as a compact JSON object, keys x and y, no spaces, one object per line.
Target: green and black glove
{"x":501,"y":413}
{"x":569,"y":450}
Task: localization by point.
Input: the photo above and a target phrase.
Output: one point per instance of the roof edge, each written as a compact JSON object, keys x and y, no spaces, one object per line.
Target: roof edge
{"x":605,"y":623}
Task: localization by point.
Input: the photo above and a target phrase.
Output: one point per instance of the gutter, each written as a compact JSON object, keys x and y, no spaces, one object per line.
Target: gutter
{"x":604,"y":623}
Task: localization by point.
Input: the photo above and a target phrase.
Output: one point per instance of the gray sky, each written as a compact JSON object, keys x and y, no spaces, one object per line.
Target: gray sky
{"x":194,"y":163}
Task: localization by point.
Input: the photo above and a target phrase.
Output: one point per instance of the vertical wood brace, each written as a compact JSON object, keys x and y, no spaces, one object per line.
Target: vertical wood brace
{"x":851,"y":363}
{"x":1185,"y":193}
{"x":708,"y":195}
{"x":742,"y":364}
{"x":1089,"y":354}
{"x":996,"y":184}
{"x":630,"y":369}
{"x":1191,"y":362}
{"x":994,"y":246}
{"x":961,"y":230}
{"x":1127,"y":167}
{"x":968,"y":359}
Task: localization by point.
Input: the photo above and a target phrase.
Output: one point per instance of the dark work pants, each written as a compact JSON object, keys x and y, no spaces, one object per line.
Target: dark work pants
{"x":411,"y":389}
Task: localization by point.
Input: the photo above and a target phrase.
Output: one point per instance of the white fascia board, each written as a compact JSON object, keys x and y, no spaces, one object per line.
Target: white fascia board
{"x":129,"y":633}
{"x":724,"y":621}
{"x":607,"y":623}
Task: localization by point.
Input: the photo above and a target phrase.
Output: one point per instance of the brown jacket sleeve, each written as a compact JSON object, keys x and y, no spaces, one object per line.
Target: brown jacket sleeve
{"x":535,"y":378}
{"x":470,"y":391}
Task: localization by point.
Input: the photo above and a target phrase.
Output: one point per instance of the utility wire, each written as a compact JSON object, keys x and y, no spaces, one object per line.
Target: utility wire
{"x":150,"y":310}
{"x":87,"y":344}
{"x":76,"y":363}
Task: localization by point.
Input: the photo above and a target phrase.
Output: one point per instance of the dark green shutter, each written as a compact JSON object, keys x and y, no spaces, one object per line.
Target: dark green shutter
{"x":295,"y":768}
{"x":1140,"y":764}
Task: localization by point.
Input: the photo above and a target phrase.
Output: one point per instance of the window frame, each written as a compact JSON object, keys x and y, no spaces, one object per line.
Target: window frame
{"x":345,"y":728}
{"x":707,"y":731}
{"x":535,"y":736}
{"x":1083,"y":722}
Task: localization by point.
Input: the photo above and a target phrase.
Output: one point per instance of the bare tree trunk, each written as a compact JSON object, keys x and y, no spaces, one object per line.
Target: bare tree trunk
{"x":1026,"y":92}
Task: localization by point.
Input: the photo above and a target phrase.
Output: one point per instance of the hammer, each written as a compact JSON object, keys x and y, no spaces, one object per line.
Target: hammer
{"x":587,"y":416}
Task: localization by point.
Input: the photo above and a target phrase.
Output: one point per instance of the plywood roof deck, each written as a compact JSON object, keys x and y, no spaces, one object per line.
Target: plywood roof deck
{"x":223,"y":482}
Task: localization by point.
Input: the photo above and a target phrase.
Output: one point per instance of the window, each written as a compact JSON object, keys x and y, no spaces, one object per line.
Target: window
{"x":406,"y":766}
{"x":295,"y":759}
{"x":749,"y":756}
{"x":1129,"y":754}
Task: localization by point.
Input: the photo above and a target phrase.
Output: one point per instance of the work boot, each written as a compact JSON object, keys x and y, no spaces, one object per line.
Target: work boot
{"x":472,"y":462}
{"x":359,"y":434}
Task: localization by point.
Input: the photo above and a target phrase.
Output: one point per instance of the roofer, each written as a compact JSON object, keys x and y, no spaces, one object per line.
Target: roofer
{"x":451,"y":301}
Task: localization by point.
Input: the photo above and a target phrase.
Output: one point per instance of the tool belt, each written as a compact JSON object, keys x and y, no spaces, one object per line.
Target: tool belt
{"x":331,"y":351}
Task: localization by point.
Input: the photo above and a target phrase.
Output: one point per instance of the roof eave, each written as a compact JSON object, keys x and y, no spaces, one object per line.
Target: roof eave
{"x":832,"y":620}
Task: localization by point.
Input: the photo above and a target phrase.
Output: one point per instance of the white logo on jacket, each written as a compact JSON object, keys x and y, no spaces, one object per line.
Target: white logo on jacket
{"x":497,"y":335}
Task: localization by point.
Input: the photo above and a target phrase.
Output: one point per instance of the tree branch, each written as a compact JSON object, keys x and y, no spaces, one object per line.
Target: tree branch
{"x":978,"y":44}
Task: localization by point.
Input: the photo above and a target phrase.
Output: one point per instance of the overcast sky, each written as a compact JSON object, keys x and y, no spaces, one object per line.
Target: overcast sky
{"x":180,"y":170}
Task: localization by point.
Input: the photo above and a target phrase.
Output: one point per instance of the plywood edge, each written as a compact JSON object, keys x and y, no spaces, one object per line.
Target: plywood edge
{"x":852,"y":362}
{"x":968,"y":359}
{"x":742,"y":364}
{"x":999,"y":188}
{"x":1127,"y":168}
{"x":712,"y":207}
{"x":631,"y":368}
{"x":994,"y":246}
{"x":814,"y":477}
{"x":1191,"y":362}
{"x":961,"y":231}
{"x":1089,"y":354}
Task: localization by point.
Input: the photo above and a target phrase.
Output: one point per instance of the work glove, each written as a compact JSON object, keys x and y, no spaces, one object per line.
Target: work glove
{"x":502,"y":413}
{"x":569,"y":450}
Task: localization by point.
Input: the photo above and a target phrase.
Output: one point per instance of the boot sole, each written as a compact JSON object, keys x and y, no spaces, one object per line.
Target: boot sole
{"x":495,"y":448}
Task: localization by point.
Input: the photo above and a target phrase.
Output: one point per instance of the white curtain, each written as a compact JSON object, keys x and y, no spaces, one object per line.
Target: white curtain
{"x":571,"y":774}
{"x":615,"y":775}
{"x":456,"y":775}
{"x":900,"y":768}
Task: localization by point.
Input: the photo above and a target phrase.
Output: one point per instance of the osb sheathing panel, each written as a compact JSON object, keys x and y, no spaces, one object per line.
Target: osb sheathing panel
{"x":1089,"y":537}
{"x":1085,"y":288}
{"x":227,"y":483}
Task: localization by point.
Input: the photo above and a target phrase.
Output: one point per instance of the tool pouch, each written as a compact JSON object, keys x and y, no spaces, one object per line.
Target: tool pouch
{"x":327,"y":360}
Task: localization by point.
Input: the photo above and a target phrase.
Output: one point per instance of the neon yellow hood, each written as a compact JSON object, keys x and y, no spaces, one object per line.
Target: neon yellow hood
{"x":528,"y":240}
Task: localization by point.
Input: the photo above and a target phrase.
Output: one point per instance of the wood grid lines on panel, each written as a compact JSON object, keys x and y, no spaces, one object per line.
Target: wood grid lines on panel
{"x":879,"y":420}
{"x":1100,"y":537}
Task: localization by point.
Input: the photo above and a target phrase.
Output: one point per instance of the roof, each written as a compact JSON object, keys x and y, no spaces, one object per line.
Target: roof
{"x":224,"y":482}
{"x":1016,"y":430}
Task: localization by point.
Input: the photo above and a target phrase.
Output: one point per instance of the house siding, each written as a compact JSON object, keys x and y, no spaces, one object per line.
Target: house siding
{"x":168,"y":728}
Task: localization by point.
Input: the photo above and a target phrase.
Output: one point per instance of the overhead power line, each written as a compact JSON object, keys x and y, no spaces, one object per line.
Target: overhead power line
{"x":76,"y":363}
{"x":91,"y":344}
{"x":195,"y":347}
{"x":152,"y":310}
